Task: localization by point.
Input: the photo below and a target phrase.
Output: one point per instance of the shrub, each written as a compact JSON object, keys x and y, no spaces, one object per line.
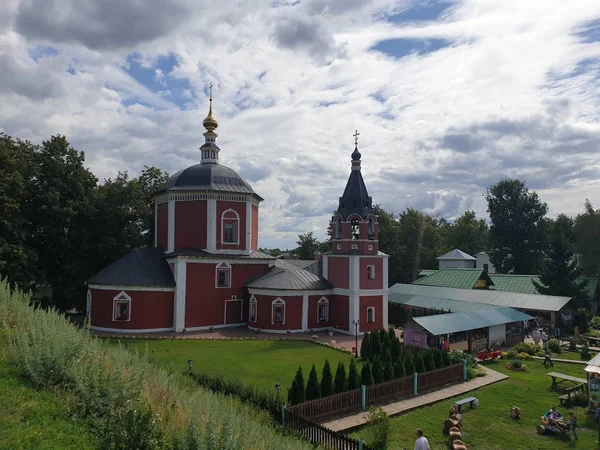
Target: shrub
{"x":341,"y":382}
{"x":526,"y":347}
{"x":366,"y":375}
{"x":503,"y":355}
{"x":582,"y":319}
{"x":375,"y":349}
{"x":327,"y":380}
{"x":409,"y":364}
{"x":458,"y":357}
{"x":313,"y":390}
{"x":516,"y":364}
{"x":523,"y":355}
{"x":428,"y":360}
{"x":365,"y":347}
{"x":392,"y":335}
{"x":512,"y":353}
{"x":396,"y":349}
{"x":377,"y":370}
{"x":419,"y":364}
{"x":437,"y":358}
{"x":377,"y":429}
{"x":388,"y":367}
{"x":554,"y":346}
{"x":445,"y":358}
{"x":353,"y":378}
{"x":399,"y":370}
{"x":595,"y":322}
{"x":297,"y":393}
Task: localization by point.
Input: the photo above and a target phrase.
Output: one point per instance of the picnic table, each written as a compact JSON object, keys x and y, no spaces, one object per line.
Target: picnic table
{"x":558,"y":378}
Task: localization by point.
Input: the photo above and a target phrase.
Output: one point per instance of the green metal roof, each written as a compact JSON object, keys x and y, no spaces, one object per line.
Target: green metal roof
{"x":446,"y":304}
{"x":515,"y":283}
{"x":426,"y":272}
{"x":462,"y":321}
{"x":455,"y":278}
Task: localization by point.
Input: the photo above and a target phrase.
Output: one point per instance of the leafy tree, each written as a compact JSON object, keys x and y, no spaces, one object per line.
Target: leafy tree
{"x":327,"y":380}
{"x":399,"y":370}
{"x":353,"y":379}
{"x":428,"y":360}
{"x":341,"y":382}
{"x":388,"y":367}
{"x":307,"y":246}
{"x":517,"y":230}
{"x":366,"y":375}
{"x":296,"y":394}
{"x":587,"y":231}
{"x":409,"y":364}
{"x":365,"y":347}
{"x":418,"y":361}
{"x":375,"y":345}
{"x":377,"y":370}
{"x":560,"y":274}
{"x":313,"y":390}
{"x":469,"y":234}
{"x":149,"y":182}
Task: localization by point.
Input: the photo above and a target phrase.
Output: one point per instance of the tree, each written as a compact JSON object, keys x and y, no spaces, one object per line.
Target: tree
{"x":326,"y":380}
{"x":385,"y":343}
{"x":445,"y":358}
{"x":437,"y":358}
{"x":428,"y":360}
{"x":353,"y":379}
{"x":468,"y":234}
{"x":366,"y":375}
{"x":560,"y":273}
{"x":388,"y":366}
{"x":377,"y":370}
{"x":399,"y":370}
{"x":149,"y":182}
{"x":418,"y":361}
{"x":307,"y":246}
{"x":396,"y":350}
{"x":392,"y":335}
{"x":409,"y":364}
{"x":375,"y":345}
{"x":313,"y":390}
{"x":365,"y":347}
{"x":341,"y":382}
{"x":587,"y":232}
{"x":296,"y":394}
{"x":517,"y":230}
{"x":377,"y":428}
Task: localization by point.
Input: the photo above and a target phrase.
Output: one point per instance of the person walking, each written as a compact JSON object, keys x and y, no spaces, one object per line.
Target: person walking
{"x":422,"y":443}
{"x":544,"y":338}
{"x":572,"y":421}
{"x":536,"y":335}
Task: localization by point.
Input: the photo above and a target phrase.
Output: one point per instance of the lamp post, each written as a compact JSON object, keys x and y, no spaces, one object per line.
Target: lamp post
{"x":190,"y":364}
{"x":356,"y":323}
{"x":278,"y":388}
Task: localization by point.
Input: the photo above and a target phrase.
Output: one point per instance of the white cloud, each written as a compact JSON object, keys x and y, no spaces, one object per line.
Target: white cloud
{"x":514,"y":94}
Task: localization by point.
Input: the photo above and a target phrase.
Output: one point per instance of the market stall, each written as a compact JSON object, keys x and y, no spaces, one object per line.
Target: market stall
{"x":593,"y":380}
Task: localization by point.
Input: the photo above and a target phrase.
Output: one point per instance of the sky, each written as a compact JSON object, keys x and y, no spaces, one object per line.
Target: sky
{"x":448,"y":96}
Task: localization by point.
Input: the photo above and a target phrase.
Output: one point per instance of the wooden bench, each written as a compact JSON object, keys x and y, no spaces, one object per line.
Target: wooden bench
{"x":566,"y":397}
{"x":469,"y":400}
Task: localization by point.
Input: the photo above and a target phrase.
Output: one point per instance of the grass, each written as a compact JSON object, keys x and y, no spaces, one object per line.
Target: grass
{"x":575,"y":356}
{"x":490,"y":427}
{"x":258,"y":362}
{"x":31,"y":419}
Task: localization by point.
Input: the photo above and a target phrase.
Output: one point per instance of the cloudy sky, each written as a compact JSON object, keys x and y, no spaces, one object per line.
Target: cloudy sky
{"x":448,"y":96}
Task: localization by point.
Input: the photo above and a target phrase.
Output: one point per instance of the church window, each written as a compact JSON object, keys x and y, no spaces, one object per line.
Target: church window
{"x":371,"y":315}
{"x":355,"y":227}
{"x":371,"y":272}
{"x":323,"y":310}
{"x":278,"y":311}
{"x":223,"y":275}
{"x":230,"y":229}
{"x":122,"y":308}
{"x":253,"y":310}
{"x":212,"y":154}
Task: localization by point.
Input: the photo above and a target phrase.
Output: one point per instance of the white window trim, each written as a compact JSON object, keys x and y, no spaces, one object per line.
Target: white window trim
{"x":371,"y":308}
{"x":219,"y":267}
{"x":255,"y":303}
{"x":323,"y":301}
{"x":278,"y":301}
{"x":121,"y":297}
{"x":237,"y":227}
{"x":372,"y":271}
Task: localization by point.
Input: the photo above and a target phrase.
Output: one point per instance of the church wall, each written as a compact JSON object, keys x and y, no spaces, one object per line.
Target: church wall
{"x":313,"y":312}
{"x":190,"y":224}
{"x":205,"y":303}
{"x":339,"y":312}
{"x":293,"y":313}
{"x":338,"y":272}
{"x":149,"y":310}
{"x":162,"y":223}
{"x":367,"y":302}
{"x":240,"y":208}
{"x":365,"y":282}
{"x":254,"y":242}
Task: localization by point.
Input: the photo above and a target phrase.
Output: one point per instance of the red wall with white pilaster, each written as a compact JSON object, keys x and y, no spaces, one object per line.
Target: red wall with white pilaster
{"x":339,"y":310}
{"x":254,"y":240}
{"x":313,"y":312}
{"x":190,"y":224}
{"x":293,"y":313}
{"x":364,"y":282}
{"x":240,"y":208}
{"x":338,"y":271}
{"x":375,"y":301}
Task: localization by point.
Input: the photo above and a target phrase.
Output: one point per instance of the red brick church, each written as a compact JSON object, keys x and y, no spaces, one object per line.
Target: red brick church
{"x":205,"y":270}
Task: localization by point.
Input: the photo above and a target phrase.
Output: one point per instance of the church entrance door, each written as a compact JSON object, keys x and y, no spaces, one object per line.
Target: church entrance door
{"x":233,"y":311}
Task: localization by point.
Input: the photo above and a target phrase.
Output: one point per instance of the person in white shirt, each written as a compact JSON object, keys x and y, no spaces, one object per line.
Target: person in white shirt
{"x":536,"y":335}
{"x":544,"y":338}
{"x":421,"y":443}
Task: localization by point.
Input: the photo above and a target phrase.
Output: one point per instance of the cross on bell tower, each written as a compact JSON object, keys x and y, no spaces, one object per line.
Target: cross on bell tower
{"x":209,"y":150}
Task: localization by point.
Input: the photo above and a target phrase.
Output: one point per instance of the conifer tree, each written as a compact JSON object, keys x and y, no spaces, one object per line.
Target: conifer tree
{"x":326,"y":380}
{"x":437,"y":358}
{"x":365,"y":347}
{"x":382,"y":334}
{"x":313,"y":390}
{"x":377,"y":370}
{"x":445,"y":358}
{"x":409,"y":364}
{"x":399,"y":371}
{"x":296,"y":394}
{"x":375,"y":345}
{"x":396,"y":350}
{"x":392,"y":334}
{"x":419,"y":364}
{"x":353,"y":379}
{"x":366,"y":375}
{"x":428,"y":360}
{"x":388,"y":366}
{"x":341,"y":382}
{"x":385,"y":345}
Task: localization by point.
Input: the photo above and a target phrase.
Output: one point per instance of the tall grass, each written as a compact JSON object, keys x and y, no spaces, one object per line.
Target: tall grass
{"x":130,"y":402}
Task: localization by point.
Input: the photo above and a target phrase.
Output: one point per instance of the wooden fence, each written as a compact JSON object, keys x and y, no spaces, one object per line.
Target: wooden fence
{"x":320,"y":435}
{"x":331,"y":406}
{"x":436,"y":378}
{"x":379,"y":394}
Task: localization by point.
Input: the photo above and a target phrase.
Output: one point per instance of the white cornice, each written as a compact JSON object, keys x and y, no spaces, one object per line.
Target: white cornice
{"x":108,"y":287}
{"x":286,"y":293}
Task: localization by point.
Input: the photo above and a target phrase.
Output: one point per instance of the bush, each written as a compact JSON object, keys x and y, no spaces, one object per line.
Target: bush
{"x":516,"y":364}
{"x":313,"y":389}
{"x":512,"y":353}
{"x":428,"y":360}
{"x":409,"y":364}
{"x":327,"y":380}
{"x":523,"y":355}
{"x":445,"y":358}
{"x":377,"y":370}
{"x":365,"y":347}
{"x":375,"y":342}
{"x":353,"y":378}
{"x":377,"y":429}
{"x":341,"y":382}
{"x":554,"y":346}
{"x":526,"y":347}
{"x":458,"y":357}
{"x":297,"y":393}
{"x":437,"y":358}
{"x":419,"y":364}
{"x":366,"y":375}
{"x":595,"y":322}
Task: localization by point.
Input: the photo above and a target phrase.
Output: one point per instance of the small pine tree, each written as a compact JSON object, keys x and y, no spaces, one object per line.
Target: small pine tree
{"x":377,"y":370}
{"x":366,"y":375}
{"x":341,"y":382}
{"x":396,"y":350}
{"x":386,"y":345}
{"x":437,"y":358}
{"x":419,"y":364}
{"x":313,"y":390}
{"x":445,"y":358}
{"x":382,"y":334}
{"x":375,"y":345}
{"x":365,"y":347}
{"x":428,"y":360}
{"x":388,"y":367}
{"x":296,"y":394}
{"x":392,"y":334}
{"x":353,"y":379}
{"x":399,"y":371}
{"x":326,"y":380}
{"x":409,"y":364}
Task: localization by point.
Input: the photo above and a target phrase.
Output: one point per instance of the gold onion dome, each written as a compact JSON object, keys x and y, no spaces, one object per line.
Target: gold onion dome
{"x":210,"y":122}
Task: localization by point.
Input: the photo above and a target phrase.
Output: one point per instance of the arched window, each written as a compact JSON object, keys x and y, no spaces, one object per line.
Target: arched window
{"x":122,"y":307}
{"x":230,"y":227}
{"x":223,"y":275}
{"x":323,"y":310}
{"x":253,"y":309}
{"x":355,"y":227}
{"x":371,"y":272}
{"x":278,"y":311}
{"x":371,"y":315}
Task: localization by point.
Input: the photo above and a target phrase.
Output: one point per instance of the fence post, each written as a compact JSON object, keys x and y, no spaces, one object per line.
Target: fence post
{"x":465,"y":369}
{"x":283,"y":409}
{"x":363,"y":397}
{"x":361,"y":444}
{"x":415,"y":378}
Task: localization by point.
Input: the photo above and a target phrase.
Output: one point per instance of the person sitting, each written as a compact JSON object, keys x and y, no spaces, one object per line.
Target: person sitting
{"x":553,"y":415}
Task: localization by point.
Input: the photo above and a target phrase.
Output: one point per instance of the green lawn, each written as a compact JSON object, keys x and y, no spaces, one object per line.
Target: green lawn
{"x":576,"y":356}
{"x":36,"y":420}
{"x":257,"y":362}
{"x":490,"y":427}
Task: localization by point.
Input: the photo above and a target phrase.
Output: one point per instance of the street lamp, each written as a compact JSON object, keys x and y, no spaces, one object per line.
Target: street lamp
{"x":190,"y":364}
{"x":278,"y":388}
{"x":356,"y":323}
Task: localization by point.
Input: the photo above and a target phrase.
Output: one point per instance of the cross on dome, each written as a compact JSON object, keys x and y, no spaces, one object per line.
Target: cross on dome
{"x":356,"y":135}
{"x":210,"y":151}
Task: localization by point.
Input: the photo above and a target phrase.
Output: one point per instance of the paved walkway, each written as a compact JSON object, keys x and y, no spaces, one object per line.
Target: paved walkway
{"x":404,"y":406}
